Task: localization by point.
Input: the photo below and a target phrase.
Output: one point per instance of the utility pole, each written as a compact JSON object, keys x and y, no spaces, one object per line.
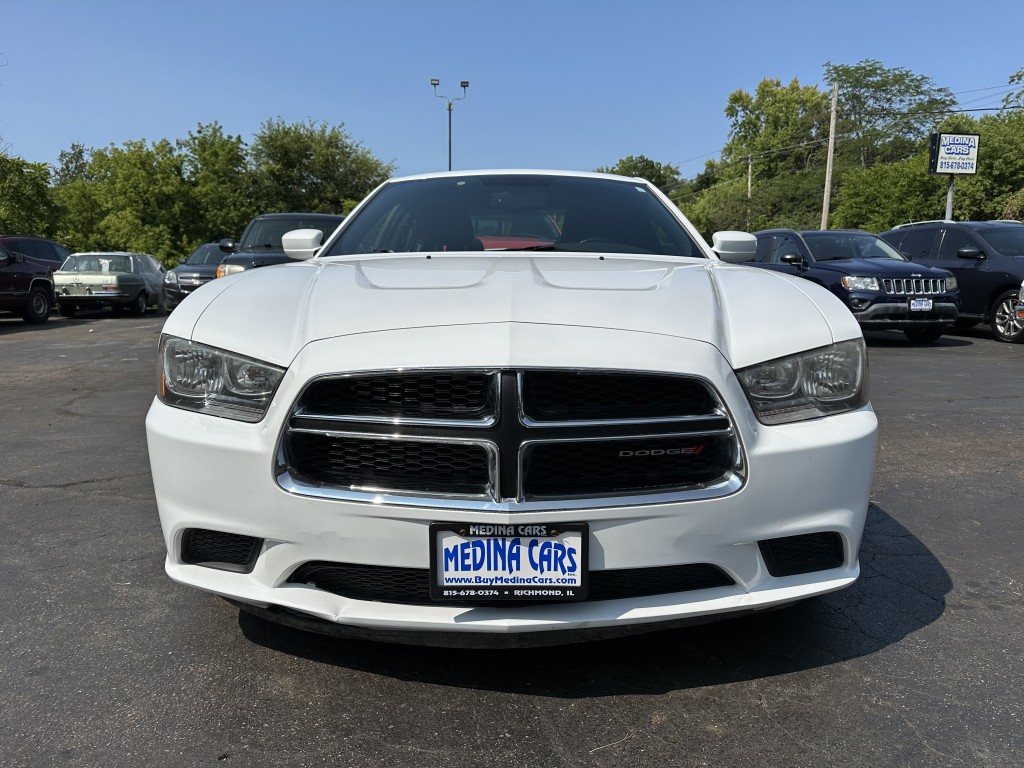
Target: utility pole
{"x":831,"y":151}
{"x":750,"y":184}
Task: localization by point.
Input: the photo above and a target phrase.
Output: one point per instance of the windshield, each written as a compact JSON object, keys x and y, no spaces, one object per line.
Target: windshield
{"x":828,"y":246}
{"x":267,"y":233}
{"x":98,"y":263}
{"x":1009,"y":241}
{"x":206,"y":254}
{"x":515,"y":212}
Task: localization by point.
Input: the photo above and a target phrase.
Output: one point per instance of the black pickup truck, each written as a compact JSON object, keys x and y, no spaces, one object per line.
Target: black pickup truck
{"x":260,"y":244}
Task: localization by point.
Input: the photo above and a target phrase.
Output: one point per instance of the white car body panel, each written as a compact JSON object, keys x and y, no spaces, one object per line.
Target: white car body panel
{"x":484,"y":311}
{"x":685,"y":298}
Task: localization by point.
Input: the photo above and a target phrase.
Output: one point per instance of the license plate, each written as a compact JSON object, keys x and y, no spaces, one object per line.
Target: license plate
{"x":919,"y":305}
{"x":516,"y":562}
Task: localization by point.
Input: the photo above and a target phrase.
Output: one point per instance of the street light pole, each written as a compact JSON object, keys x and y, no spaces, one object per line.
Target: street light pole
{"x":463,"y":85}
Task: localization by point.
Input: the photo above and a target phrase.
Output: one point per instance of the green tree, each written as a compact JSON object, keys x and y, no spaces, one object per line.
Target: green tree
{"x":132,"y":197}
{"x":887,"y":194}
{"x":884,"y":113}
{"x":26,"y":205}
{"x":662,"y":175}
{"x":220,"y":181}
{"x":782,"y":128}
{"x":312,"y":167}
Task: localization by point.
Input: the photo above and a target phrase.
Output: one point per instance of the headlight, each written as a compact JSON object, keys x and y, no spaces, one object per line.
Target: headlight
{"x":170,"y":277}
{"x":810,"y":385}
{"x":951,"y":283}
{"x":229,"y":269}
{"x":860,"y":283}
{"x":208,"y":380}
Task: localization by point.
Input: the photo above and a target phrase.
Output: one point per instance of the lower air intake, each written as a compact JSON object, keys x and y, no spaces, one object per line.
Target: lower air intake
{"x":216,"y":549}
{"x":810,"y":552}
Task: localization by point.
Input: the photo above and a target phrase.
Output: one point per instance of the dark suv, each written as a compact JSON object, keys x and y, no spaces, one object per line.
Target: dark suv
{"x":26,"y":275}
{"x":987,"y":258}
{"x":198,"y":269}
{"x":260,"y":244}
{"x":882,"y":289}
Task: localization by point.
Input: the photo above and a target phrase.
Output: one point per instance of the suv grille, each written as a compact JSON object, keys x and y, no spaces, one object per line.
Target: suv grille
{"x":913,"y":286}
{"x":509,"y":437}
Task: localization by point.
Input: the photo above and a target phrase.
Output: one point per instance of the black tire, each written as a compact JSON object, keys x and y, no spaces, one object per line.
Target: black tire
{"x":66,"y":310}
{"x":138,"y":306}
{"x":1005,"y":325}
{"x":37,"y":310}
{"x":923,"y":335}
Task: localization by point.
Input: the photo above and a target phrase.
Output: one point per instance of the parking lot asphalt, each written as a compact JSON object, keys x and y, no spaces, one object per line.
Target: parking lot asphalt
{"x":106,"y":662}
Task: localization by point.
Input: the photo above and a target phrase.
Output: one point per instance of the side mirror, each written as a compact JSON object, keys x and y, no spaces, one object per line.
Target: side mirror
{"x":302,"y":244}
{"x":970,"y":252}
{"x":792,"y":258}
{"x":228,"y":245}
{"x":733,"y":246}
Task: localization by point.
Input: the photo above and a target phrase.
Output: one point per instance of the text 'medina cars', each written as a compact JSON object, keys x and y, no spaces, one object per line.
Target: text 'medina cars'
{"x":511,"y":408}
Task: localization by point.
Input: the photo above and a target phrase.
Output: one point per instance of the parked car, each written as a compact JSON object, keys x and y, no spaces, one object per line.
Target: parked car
{"x":883,"y":289}
{"x":403,"y":437}
{"x":260,"y":244}
{"x":127,"y":281}
{"x":198,"y":269}
{"x":26,"y":275}
{"x":987,"y":258}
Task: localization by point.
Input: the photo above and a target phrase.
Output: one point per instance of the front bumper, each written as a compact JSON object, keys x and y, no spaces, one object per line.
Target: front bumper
{"x":217,"y":474}
{"x":895,"y":313}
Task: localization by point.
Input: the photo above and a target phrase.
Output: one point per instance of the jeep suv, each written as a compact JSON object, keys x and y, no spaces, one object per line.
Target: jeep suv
{"x":882,"y":289}
{"x":260,"y":244}
{"x":26,"y":275}
{"x":987,"y":258}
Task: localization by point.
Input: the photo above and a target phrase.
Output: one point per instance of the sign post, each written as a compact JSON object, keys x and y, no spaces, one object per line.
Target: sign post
{"x":953,"y":154}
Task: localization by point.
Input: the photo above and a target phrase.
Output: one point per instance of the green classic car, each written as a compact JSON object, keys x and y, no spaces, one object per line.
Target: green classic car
{"x":128,"y":281}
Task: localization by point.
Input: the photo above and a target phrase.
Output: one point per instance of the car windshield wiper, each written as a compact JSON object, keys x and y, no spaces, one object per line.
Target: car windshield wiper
{"x":537,"y":248}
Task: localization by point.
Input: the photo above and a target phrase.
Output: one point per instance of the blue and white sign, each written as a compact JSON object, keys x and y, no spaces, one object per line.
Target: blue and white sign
{"x":954,"y":153}
{"x":496,"y":561}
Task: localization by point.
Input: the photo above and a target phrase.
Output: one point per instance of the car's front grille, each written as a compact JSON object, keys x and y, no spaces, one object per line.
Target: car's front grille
{"x":514,"y":438}
{"x":411,"y":586}
{"x":913,"y":286}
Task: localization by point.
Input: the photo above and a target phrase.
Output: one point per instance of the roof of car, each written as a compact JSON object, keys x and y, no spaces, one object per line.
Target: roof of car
{"x":813,"y":231}
{"x":516,"y":171}
{"x":990,"y":224}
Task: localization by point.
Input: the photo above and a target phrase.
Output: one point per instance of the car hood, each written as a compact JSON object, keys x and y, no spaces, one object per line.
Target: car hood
{"x":879,"y":268}
{"x":270,"y":314}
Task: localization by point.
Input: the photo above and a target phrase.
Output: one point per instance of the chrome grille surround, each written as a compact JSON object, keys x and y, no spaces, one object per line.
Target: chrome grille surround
{"x":913,"y":286}
{"x":506,"y":434}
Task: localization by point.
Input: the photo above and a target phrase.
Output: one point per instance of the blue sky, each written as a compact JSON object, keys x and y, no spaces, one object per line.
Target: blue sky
{"x":571,"y":85}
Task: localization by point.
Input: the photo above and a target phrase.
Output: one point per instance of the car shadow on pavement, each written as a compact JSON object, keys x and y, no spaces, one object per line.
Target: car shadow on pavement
{"x":897,"y":339}
{"x":901,"y":589}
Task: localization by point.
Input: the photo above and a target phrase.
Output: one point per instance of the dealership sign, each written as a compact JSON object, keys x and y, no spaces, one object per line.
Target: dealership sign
{"x":953,"y":153}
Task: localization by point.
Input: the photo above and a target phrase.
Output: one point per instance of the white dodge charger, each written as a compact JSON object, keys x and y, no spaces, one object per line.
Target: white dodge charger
{"x":511,"y":408}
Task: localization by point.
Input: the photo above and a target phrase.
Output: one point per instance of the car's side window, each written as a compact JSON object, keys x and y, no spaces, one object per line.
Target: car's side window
{"x":784,"y":245}
{"x":764,"y":249}
{"x":952,"y":241}
{"x":917,"y":245}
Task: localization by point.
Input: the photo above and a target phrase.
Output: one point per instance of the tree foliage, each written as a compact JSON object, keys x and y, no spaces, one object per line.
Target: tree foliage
{"x":662,"y":175}
{"x":165,"y":197}
{"x":26,"y":207}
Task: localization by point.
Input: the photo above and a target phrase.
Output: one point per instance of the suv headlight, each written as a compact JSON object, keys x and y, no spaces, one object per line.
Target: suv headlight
{"x":951,"y":283}
{"x":170,"y":277}
{"x":809,"y":385}
{"x":860,"y":283}
{"x":223,"y":270}
{"x":211,"y":381}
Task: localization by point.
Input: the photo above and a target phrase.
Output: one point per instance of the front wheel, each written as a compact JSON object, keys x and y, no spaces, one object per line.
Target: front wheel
{"x":923,"y":335}
{"x":1005,"y":324}
{"x":138,"y":306}
{"x":38,"y":308}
